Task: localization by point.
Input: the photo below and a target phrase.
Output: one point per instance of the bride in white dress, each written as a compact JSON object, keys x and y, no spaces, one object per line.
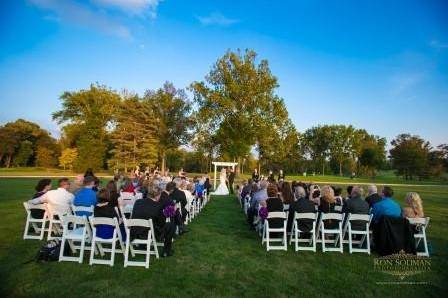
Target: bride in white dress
{"x":222,"y":189}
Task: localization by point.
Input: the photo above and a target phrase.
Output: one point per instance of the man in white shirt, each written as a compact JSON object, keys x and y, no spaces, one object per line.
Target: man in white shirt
{"x":59,"y":200}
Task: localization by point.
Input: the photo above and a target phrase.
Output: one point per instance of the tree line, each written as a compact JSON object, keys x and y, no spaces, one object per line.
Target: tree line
{"x":233,"y":114}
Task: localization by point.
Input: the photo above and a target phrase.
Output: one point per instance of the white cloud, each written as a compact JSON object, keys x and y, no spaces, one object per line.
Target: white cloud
{"x":76,"y":13}
{"x":438,"y":44}
{"x":137,"y":7}
{"x":216,"y":18}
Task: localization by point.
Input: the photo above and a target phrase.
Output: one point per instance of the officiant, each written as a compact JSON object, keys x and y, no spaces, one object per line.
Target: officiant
{"x":231,"y":179}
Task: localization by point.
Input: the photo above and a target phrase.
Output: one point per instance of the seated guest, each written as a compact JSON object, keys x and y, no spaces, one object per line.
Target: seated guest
{"x":274,"y":204}
{"x":59,"y":200}
{"x":77,"y":184}
{"x":207,"y":185}
{"x":415,"y":206}
{"x":89,"y":172}
{"x":259,"y":197}
{"x":356,"y":205}
{"x":314,"y":194}
{"x":86,"y":197}
{"x":338,"y":196}
{"x":281,"y":176}
{"x":349,"y":191}
{"x":246,"y":190}
{"x":189,"y":196}
{"x":372,"y":195}
{"x":111,"y":187}
{"x":327,"y":205}
{"x":386,"y":206}
{"x":105,"y":208}
{"x":302,"y":205}
{"x":41,"y":188}
{"x":151,"y":208}
{"x":128,"y":186}
{"x":286,"y":193}
{"x":178,"y":196}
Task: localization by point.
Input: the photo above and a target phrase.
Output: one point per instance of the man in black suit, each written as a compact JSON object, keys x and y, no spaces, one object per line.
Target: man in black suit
{"x":178,"y":196}
{"x":302,"y":205}
{"x":231,"y":180}
{"x":356,"y":205}
{"x":151,"y":208}
{"x":372,"y":195}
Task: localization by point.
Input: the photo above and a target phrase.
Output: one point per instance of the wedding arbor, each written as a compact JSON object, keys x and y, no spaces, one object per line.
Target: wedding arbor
{"x":221,"y":164}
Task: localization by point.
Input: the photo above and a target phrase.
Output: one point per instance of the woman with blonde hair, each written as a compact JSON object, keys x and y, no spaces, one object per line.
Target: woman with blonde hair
{"x":327,"y":205}
{"x":415,"y":206}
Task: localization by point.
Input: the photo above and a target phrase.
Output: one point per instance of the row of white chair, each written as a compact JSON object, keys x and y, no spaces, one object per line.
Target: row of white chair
{"x":332,"y":239}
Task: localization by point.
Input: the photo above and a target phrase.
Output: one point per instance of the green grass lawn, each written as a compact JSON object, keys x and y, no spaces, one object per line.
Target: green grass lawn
{"x":220,"y":256}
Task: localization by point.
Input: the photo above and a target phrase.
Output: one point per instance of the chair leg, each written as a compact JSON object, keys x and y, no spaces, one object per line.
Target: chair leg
{"x":126,"y":253}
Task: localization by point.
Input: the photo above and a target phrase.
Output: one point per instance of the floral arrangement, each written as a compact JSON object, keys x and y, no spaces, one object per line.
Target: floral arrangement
{"x":169,"y":211}
{"x":263,"y":212}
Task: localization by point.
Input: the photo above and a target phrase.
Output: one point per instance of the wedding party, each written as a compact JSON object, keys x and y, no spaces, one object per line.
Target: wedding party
{"x":167,"y":148}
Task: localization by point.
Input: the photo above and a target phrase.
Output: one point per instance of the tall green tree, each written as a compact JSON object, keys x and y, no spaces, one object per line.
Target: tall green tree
{"x":172,"y":111}
{"x":238,"y":106}
{"x":134,"y":138}
{"x":24,"y":154}
{"x":316,"y":144}
{"x":91,"y":110}
{"x":409,"y":155}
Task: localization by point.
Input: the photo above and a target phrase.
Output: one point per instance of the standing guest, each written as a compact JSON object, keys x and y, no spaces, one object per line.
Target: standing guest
{"x":231,"y":179}
{"x":271,"y":177}
{"x":151,"y":208}
{"x":255,"y":176}
{"x":415,"y":206}
{"x":372,"y":195}
{"x":327,"y":205}
{"x":86,"y":197}
{"x":41,"y":188}
{"x":89,"y":172}
{"x":386,"y":206}
{"x":59,"y":200}
{"x":274,"y":204}
{"x":301,"y":205}
{"x":281,"y":176}
{"x":77,"y":184}
{"x":356,"y":205}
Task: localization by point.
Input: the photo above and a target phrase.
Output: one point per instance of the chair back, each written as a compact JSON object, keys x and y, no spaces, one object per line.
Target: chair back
{"x":137,"y":223}
{"x":359,"y":217}
{"x":76,"y":209}
{"x":28,"y":206}
{"x":334,"y":216}
{"x":103,"y":221}
{"x":277,"y":214}
{"x":309,"y":215}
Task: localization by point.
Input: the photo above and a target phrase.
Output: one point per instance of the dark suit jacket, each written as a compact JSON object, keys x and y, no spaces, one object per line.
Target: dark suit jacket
{"x":231,"y":177}
{"x":373,"y":199}
{"x":356,"y":206}
{"x":146,"y":209}
{"x":179,"y":196}
{"x":302,"y":205}
{"x":275,"y":205}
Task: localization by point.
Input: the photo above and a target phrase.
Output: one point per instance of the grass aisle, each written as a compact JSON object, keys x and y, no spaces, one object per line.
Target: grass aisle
{"x":220,"y":256}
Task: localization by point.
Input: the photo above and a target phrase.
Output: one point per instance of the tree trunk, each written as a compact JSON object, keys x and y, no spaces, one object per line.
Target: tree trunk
{"x":340,"y":168}
{"x":8,"y":160}
{"x":163,"y":161}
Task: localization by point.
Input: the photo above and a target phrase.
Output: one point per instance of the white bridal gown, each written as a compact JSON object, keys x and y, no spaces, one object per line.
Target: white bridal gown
{"x":222,"y":189}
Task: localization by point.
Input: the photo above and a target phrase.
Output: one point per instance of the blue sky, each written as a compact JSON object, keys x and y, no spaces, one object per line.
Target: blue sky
{"x":378,"y":65}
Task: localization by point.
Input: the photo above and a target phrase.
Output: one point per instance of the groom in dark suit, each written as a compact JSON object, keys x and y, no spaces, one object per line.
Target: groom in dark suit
{"x":231,"y":180}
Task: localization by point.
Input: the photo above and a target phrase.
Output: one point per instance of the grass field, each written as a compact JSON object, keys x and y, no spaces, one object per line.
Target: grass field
{"x":218,"y":257}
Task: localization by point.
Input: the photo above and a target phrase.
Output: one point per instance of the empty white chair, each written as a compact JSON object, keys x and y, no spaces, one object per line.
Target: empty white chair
{"x":335,"y":232}
{"x":38,"y":224}
{"x":98,"y":241}
{"x":149,"y":243}
{"x":421,"y":224}
{"x":267,"y":230}
{"x":364,"y":233}
{"x":295,"y":232}
{"x":75,"y":233}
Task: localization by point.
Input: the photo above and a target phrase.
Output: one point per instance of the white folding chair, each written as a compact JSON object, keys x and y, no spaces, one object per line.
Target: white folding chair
{"x":55,"y":223}
{"x":149,"y":242}
{"x":77,"y":209}
{"x":246,"y":203}
{"x":421,"y":224}
{"x":364,"y":233}
{"x":295,"y":232}
{"x":98,"y":241}
{"x":267,"y":230}
{"x":336,"y":232}
{"x":127,"y":200}
{"x":38,"y":224}
{"x":75,"y":233}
